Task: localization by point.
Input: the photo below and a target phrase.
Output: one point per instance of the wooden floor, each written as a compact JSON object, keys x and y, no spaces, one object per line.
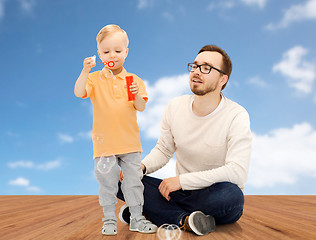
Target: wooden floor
{"x":79,"y":217}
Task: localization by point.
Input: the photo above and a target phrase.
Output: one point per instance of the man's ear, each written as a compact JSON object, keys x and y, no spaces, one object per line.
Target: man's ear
{"x":224,"y":79}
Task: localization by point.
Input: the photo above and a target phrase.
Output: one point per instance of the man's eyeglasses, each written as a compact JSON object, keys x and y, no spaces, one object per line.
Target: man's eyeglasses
{"x":204,"y":68}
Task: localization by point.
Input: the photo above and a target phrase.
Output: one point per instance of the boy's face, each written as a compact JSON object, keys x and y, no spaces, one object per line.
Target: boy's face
{"x":113,"y":48}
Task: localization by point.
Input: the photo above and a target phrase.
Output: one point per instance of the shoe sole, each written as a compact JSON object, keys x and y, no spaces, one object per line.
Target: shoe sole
{"x":120,"y":215}
{"x":201,"y":224}
{"x":109,"y":234}
{"x":136,"y":230}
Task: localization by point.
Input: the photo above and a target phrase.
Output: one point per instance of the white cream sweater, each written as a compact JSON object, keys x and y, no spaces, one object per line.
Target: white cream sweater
{"x":210,"y":149}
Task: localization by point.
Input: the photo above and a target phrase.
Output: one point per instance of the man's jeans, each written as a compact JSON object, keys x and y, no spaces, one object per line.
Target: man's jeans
{"x":224,"y":201}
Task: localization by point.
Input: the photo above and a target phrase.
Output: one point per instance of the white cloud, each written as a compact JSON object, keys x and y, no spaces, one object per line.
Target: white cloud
{"x":222,"y":5}
{"x":49,"y":165}
{"x":160,"y":94}
{"x":29,"y":164}
{"x":27,"y":6}
{"x":296,"y":13}
{"x":259,"y":3}
{"x":23,"y":164}
{"x":168,"y":16}
{"x":65,"y":138}
{"x":282,"y":156}
{"x":2,"y":8}
{"x":300,"y":73}
{"x":169,"y":170}
{"x":229,"y":4}
{"x":144,"y":4}
{"x":12,"y":134}
{"x":20,"y":182}
{"x":85,"y":135}
{"x":33,"y":189}
{"x":257,"y":81}
{"x":23,"y":182}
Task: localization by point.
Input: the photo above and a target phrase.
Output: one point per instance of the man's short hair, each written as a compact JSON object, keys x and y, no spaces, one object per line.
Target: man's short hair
{"x":227,"y":63}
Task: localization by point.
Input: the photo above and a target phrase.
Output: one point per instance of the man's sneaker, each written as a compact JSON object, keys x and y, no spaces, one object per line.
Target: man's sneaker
{"x":199,"y":223}
{"x":124,"y":214}
{"x":140,"y":224}
{"x":109,"y":226}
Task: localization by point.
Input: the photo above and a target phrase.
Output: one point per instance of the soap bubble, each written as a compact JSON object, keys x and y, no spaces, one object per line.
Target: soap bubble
{"x":169,"y":232}
{"x":97,"y":138}
{"x":105,"y":74}
{"x":106,"y":163}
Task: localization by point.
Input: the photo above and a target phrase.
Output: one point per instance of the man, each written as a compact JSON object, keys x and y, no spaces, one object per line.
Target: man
{"x":211,"y":137}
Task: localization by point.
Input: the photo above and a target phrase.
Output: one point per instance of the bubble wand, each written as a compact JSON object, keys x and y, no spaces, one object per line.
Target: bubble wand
{"x":109,"y":63}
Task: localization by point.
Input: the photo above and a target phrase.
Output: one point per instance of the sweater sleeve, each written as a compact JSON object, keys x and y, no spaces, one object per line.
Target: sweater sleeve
{"x":235,"y":169}
{"x":165,"y":147}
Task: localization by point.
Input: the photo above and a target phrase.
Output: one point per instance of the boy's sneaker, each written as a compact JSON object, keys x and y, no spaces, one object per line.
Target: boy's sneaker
{"x":199,"y":223}
{"x":124,"y":214}
{"x":140,"y":224}
{"x":109,"y":226}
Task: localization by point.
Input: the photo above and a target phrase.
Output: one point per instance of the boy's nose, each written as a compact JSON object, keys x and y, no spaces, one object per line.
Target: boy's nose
{"x":112,"y":54}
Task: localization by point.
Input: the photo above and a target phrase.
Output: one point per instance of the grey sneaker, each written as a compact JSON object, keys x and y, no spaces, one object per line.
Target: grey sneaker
{"x":140,"y":224}
{"x":200,"y":223}
{"x":109,"y":226}
{"x":124,"y":214}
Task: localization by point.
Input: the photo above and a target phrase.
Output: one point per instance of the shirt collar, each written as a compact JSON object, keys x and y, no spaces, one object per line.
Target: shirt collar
{"x":121,"y":75}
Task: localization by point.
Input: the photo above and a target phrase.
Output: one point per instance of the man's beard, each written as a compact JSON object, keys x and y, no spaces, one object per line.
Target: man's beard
{"x":203,"y":92}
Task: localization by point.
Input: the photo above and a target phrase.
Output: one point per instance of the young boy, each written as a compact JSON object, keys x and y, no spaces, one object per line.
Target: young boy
{"x":115,"y":130}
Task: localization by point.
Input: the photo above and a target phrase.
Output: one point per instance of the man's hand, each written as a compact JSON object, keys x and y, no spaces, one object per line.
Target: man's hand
{"x":121,"y":172}
{"x":169,"y":185}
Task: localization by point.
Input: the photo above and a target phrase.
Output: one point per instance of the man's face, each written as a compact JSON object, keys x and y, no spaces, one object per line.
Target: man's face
{"x":202,"y":84}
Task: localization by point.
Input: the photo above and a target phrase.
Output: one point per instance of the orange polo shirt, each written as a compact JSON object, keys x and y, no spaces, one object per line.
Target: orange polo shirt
{"x":115,"y":129}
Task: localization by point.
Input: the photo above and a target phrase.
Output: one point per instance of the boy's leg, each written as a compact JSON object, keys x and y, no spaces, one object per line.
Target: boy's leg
{"x":132,"y":186}
{"x":133,"y":189}
{"x":107,"y":188}
{"x":156,"y":207}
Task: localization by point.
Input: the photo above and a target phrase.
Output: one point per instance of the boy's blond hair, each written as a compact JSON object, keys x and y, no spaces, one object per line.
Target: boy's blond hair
{"x":110,"y":29}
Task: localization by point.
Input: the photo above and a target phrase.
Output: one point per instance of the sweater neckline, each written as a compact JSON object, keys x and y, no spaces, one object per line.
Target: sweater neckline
{"x":220,"y":105}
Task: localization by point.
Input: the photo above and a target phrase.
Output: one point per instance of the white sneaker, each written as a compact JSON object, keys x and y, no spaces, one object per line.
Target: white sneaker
{"x":140,"y":224}
{"x":200,"y":223}
{"x":109,"y":226}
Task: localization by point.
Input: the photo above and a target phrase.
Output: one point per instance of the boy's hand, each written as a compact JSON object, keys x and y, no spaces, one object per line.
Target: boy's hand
{"x":88,"y":63}
{"x":134,"y":88}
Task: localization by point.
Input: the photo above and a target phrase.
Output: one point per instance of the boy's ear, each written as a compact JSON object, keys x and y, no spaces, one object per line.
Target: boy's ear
{"x":127,"y":49}
{"x":98,"y":53}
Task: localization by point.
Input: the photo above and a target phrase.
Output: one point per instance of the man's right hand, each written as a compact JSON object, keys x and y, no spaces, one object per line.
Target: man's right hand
{"x":121,"y":172}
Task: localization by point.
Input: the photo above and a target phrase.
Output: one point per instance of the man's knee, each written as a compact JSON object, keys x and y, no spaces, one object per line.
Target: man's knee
{"x":227,"y":191}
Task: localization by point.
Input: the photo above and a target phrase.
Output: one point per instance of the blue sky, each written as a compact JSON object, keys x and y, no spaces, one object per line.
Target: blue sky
{"x":45,"y":131}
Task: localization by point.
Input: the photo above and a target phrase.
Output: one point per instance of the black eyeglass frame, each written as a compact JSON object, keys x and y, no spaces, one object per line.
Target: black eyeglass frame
{"x":199,"y":66}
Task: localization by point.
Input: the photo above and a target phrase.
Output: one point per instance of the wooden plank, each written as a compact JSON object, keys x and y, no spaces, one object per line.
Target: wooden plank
{"x":79,"y":217}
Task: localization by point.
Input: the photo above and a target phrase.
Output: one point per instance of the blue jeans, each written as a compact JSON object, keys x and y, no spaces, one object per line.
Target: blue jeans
{"x":224,"y":201}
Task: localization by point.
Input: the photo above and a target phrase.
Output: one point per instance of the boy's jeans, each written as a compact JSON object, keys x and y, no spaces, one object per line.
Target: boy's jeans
{"x":224,"y":201}
{"x":132,"y":185}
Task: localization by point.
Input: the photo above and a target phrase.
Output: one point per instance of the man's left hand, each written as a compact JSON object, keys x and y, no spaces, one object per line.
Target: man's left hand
{"x":169,"y":185}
